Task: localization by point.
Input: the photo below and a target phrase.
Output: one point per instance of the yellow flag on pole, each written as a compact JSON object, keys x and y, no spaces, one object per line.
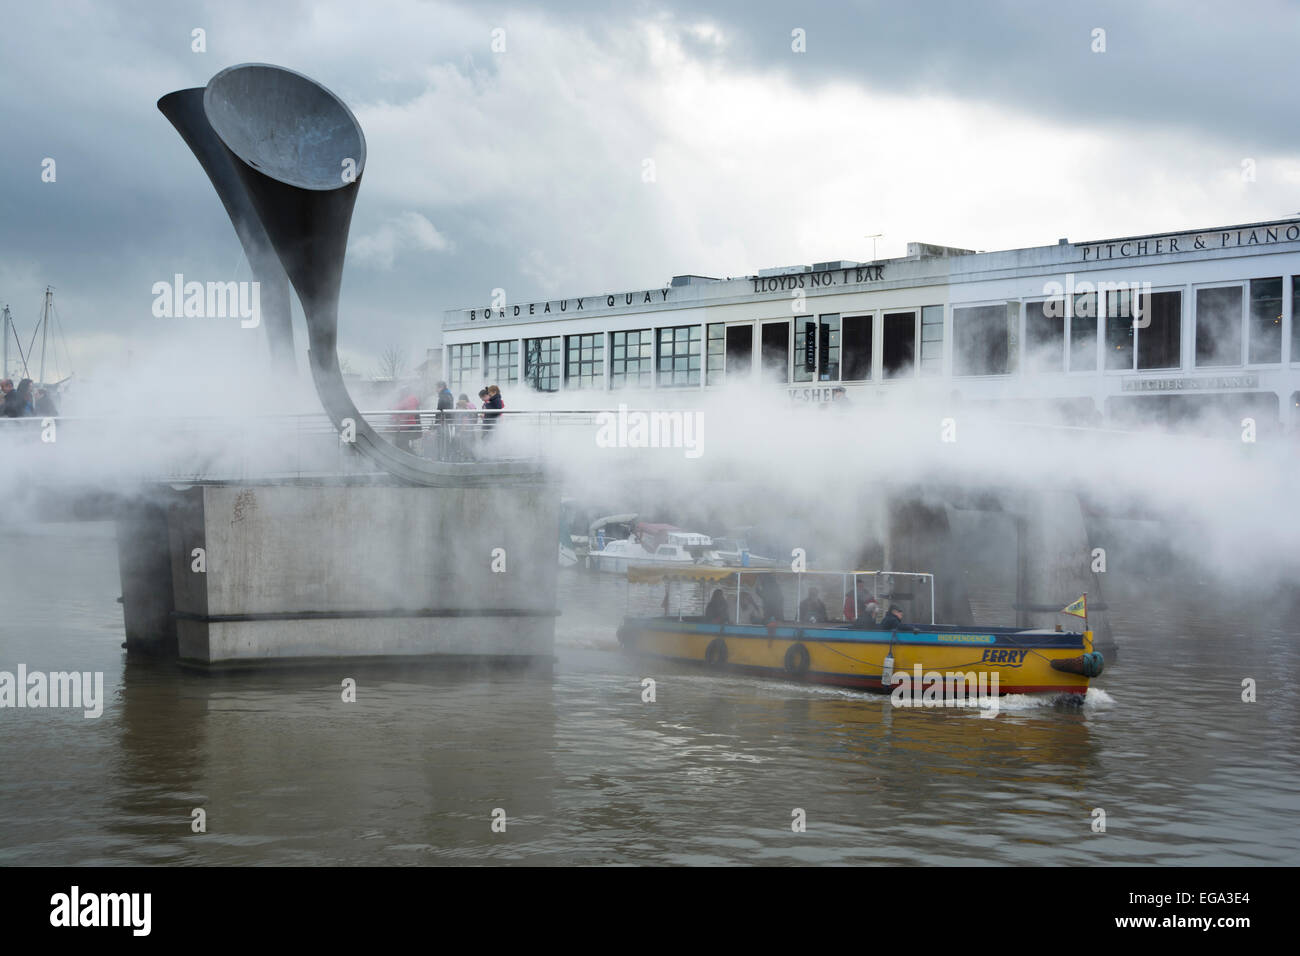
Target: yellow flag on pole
{"x":1079,"y":608}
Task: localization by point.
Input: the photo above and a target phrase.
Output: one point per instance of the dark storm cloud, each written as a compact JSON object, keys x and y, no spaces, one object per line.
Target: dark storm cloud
{"x":1227,"y":71}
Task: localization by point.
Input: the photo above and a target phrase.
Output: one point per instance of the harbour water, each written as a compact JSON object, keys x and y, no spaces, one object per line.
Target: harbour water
{"x":584,"y":771}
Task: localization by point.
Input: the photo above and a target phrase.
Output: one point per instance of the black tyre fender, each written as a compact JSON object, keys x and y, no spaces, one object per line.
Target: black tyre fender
{"x":797,"y":660}
{"x":715,"y":655}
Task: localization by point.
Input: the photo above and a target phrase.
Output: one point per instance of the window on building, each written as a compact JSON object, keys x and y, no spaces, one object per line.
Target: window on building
{"x":828,"y":348}
{"x":805,"y":350}
{"x":1160,"y":330}
{"x":1218,"y":326}
{"x":501,"y":363}
{"x":1119,"y":329}
{"x":817,"y":349}
{"x":715,"y":354}
{"x":1045,"y":336}
{"x":740,"y":351}
{"x":1295,"y":326}
{"x":857,"y":348}
{"x":983,"y":339}
{"x":1083,"y":333}
{"x":775,"y":350}
{"x":932,"y":340}
{"x":542,"y":359}
{"x":463,"y":365}
{"x":584,"y":364}
{"x":631,"y":359}
{"x":1265,"y":342}
{"x":898,"y":345}
{"x":679,"y":356}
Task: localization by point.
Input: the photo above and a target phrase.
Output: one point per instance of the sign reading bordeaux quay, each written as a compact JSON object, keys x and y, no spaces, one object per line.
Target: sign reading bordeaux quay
{"x":594,"y":302}
{"x":1190,"y":242}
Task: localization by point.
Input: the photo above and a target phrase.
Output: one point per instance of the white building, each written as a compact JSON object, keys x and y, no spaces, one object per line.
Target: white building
{"x":1139,"y":329}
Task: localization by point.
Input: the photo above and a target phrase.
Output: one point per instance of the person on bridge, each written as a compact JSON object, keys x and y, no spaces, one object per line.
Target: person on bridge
{"x":18,"y":402}
{"x":408,"y":426}
{"x":495,"y":403}
{"x":444,"y":397}
{"x":44,"y":405}
{"x":6,"y":389}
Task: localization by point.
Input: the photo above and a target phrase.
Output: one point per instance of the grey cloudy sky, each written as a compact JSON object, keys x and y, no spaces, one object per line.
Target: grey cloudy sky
{"x":984,"y":125}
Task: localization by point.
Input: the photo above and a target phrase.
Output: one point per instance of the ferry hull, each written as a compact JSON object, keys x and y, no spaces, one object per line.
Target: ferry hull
{"x":849,"y":657}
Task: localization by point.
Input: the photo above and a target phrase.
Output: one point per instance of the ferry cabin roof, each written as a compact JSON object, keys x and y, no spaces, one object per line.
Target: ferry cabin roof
{"x":1133,"y":329}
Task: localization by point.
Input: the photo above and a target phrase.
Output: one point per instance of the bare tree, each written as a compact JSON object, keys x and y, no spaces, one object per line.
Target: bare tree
{"x":392,"y":363}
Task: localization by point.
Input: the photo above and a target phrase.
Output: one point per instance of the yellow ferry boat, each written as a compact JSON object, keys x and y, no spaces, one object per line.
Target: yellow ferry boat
{"x":746,"y":627}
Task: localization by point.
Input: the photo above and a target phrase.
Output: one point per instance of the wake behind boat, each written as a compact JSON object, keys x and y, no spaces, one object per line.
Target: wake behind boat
{"x":746,"y":626}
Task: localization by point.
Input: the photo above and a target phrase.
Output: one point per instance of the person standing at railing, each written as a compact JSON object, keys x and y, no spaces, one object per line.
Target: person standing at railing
{"x":44,"y":405}
{"x":18,"y":401}
{"x":444,"y":399}
{"x":7,"y":389}
{"x":408,"y":426}
{"x":494,"y":402}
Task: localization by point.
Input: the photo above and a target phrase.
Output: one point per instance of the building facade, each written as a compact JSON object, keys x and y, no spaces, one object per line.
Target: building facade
{"x":1127,"y":331}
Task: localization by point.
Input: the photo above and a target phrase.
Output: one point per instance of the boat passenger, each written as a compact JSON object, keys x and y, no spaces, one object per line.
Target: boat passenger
{"x":769,"y":591}
{"x":893,"y":620}
{"x":750,"y":613}
{"x":811,"y":609}
{"x":864,"y":597}
{"x":716,"y":612}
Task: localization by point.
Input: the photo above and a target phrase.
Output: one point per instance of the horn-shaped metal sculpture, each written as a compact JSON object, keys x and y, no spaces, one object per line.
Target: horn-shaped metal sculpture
{"x":184,"y":109}
{"x":300,"y":153}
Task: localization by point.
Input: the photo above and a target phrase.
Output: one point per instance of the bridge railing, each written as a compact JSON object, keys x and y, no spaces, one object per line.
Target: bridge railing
{"x":195,"y":448}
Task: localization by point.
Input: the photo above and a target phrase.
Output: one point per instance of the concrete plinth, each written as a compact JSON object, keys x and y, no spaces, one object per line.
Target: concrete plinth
{"x":299,"y":572}
{"x":145,"y":566}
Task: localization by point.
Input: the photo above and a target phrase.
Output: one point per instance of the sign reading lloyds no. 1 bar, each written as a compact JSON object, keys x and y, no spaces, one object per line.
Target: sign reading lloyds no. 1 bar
{"x":1190,"y":384}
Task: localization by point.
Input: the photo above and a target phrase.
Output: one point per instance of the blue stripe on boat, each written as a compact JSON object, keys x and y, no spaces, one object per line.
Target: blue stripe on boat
{"x":953,"y":637}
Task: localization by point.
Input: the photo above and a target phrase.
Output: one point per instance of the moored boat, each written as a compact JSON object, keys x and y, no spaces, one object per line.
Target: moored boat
{"x":746,"y":628}
{"x":655,"y":545}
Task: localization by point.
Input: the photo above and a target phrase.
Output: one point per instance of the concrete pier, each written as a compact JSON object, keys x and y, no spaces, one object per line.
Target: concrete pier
{"x":253,"y":574}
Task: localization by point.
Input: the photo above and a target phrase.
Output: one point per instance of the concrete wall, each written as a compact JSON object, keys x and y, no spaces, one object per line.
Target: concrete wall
{"x":323,"y":571}
{"x":144,"y":564}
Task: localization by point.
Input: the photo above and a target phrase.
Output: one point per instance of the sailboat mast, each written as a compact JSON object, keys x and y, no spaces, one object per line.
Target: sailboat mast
{"x":45,"y":331}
